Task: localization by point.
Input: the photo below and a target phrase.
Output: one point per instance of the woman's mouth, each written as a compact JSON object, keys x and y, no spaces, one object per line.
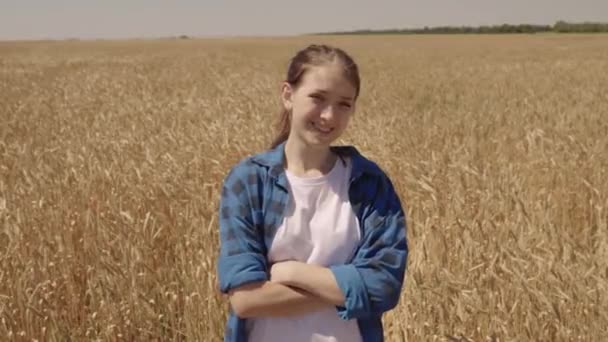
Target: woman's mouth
{"x":324,"y":130}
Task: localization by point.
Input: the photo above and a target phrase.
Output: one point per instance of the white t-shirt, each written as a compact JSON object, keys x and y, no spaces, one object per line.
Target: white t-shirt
{"x":319,"y":227}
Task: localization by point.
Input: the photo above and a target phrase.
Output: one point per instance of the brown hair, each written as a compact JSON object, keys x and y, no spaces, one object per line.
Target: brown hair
{"x":313,"y":55}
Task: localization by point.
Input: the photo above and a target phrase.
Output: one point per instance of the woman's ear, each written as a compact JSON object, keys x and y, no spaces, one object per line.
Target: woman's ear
{"x":286,"y":95}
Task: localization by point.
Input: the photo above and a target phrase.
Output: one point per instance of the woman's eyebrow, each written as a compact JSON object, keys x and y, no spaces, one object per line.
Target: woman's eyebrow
{"x":324,"y":92}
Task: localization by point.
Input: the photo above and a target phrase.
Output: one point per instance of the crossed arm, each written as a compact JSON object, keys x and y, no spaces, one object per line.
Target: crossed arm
{"x":368,"y":286}
{"x":294,"y":288}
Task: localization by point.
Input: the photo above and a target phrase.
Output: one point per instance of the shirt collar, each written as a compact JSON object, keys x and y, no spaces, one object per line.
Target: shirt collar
{"x":274,"y":159}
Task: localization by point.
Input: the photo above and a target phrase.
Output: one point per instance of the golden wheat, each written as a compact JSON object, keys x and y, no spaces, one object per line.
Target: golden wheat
{"x":112,"y":154}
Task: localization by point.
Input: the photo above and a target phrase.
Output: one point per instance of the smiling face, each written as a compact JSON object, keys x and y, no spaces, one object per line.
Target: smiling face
{"x":321,"y":105}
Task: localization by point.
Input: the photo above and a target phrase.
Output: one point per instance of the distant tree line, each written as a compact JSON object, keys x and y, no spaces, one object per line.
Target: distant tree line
{"x":562,"y":26}
{"x":559,"y":27}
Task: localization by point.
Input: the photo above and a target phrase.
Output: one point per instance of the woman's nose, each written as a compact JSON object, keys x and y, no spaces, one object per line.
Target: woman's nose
{"x":328,"y":113}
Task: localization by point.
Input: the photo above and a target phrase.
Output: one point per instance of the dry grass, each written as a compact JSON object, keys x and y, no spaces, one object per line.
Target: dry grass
{"x":112,"y":153}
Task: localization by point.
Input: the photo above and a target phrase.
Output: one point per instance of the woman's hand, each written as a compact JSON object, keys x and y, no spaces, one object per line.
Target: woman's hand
{"x":315,"y":279}
{"x":285,"y":272}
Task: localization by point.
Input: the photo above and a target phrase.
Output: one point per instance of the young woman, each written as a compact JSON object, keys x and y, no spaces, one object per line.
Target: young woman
{"x":313,"y":236}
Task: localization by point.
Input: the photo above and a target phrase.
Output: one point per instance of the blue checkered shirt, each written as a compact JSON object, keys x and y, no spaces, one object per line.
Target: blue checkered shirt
{"x":254,"y":196}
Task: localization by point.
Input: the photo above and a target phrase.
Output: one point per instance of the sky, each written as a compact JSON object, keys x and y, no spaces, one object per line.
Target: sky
{"x":109,"y":19}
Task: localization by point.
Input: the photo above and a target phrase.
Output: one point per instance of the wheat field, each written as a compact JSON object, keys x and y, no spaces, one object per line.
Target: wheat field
{"x":112,"y":154}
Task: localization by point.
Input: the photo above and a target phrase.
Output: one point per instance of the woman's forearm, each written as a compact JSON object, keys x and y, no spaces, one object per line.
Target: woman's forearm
{"x":316,"y":280}
{"x":271,"y":299}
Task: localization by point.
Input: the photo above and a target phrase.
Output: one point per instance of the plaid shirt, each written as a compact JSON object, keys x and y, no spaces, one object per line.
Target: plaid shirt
{"x":254,"y":196}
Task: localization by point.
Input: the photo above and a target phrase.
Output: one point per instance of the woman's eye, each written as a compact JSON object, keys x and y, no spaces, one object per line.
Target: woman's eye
{"x":345,"y":105}
{"x":316,"y":97}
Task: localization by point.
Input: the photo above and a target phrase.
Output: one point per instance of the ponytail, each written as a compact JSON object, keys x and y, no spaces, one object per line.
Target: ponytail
{"x":283,"y":128}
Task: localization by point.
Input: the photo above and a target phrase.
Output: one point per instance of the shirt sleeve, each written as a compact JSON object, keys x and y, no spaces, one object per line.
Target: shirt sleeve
{"x":372,"y":282}
{"x":242,"y":257}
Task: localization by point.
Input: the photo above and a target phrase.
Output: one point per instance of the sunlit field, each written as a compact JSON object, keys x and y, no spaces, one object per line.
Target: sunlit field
{"x":112,"y":155}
